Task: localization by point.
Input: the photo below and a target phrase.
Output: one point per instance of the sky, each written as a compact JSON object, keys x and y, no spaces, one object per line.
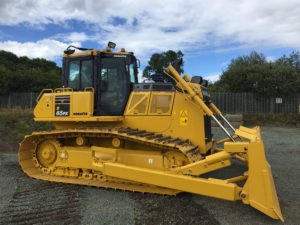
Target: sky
{"x":210,"y":33}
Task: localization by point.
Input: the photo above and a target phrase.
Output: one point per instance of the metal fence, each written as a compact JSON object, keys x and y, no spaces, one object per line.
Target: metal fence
{"x":226,"y":102}
{"x":23,"y":100}
{"x":249,"y":102}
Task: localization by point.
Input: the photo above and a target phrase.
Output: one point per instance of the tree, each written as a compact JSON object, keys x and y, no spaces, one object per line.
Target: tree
{"x":21,"y":74}
{"x":158,"y":62}
{"x":254,"y":74}
{"x":285,"y":79}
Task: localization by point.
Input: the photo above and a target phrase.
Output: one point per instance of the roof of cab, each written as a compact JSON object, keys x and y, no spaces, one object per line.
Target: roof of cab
{"x":95,"y":52}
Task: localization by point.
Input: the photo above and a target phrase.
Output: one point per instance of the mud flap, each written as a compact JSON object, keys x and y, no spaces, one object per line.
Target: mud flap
{"x":259,"y":190}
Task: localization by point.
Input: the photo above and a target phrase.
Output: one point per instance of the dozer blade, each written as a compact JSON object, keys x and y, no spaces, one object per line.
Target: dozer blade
{"x":259,"y":190}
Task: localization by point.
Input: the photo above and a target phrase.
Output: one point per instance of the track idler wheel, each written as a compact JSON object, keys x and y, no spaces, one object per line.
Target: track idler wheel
{"x":46,"y":153}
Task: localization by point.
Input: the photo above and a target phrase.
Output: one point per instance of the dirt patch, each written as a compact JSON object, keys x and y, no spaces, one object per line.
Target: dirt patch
{"x":160,"y":209}
{"x":7,"y":144}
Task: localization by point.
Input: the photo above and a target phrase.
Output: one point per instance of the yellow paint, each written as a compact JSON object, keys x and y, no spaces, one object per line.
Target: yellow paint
{"x":94,"y":52}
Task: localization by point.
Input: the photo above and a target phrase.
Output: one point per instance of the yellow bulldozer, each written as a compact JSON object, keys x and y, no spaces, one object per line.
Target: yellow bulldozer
{"x":114,"y":132}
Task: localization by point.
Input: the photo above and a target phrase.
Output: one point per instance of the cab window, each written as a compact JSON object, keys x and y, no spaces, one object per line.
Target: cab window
{"x":80,"y":74}
{"x":74,"y":79}
{"x":110,"y":76}
{"x":86,"y":74}
{"x":131,"y":71}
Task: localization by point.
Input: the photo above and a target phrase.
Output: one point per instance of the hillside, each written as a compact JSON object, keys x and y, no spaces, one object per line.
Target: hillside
{"x":14,"y":125}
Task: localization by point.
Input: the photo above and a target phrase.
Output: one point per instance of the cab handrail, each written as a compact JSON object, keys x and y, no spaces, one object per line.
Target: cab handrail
{"x":58,"y":90}
{"x":41,"y":94}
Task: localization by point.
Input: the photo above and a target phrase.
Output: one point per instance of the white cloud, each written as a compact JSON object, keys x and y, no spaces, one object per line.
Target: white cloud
{"x":270,"y":59}
{"x":46,"y":48}
{"x":73,"y":37}
{"x":212,"y":77}
{"x":224,"y":65}
{"x":155,"y":26}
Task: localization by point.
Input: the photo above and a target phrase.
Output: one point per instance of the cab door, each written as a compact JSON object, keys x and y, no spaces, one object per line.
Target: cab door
{"x":114,"y":87}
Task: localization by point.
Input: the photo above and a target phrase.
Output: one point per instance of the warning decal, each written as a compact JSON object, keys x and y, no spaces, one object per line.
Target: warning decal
{"x":183,"y":117}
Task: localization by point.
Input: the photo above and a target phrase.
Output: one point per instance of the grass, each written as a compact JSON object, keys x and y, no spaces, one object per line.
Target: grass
{"x":16,"y":123}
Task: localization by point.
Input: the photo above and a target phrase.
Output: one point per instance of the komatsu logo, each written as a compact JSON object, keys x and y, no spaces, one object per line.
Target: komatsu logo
{"x":61,"y":113}
{"x":122,"y":56}
{"x":80,"y":114}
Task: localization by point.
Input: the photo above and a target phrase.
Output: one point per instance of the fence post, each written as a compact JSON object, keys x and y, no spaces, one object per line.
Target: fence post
{"x":298,"y":104}
{"x":9,"y":102}
{"x":245,"y":101}
{"x":271,"y":105}
{"x":30,"y":100}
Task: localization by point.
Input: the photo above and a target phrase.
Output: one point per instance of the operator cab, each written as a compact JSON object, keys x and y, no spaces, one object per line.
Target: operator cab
{"x":111,"y":74}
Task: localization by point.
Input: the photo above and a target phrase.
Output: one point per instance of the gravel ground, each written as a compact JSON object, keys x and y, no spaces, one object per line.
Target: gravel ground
{"x":27,"y":201}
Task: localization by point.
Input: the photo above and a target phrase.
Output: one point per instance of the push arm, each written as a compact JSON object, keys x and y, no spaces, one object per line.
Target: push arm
{"x":196,"y":98}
